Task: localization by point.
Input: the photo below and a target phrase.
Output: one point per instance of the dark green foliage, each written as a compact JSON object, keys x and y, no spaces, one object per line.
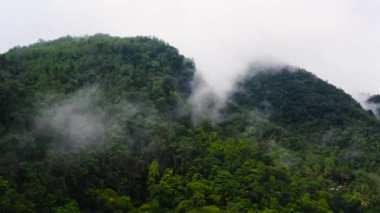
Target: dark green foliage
{"x":300,"y":101}
{"x":138,"y":69}
{"x":288,"y":142}
{"x":374,"y":99}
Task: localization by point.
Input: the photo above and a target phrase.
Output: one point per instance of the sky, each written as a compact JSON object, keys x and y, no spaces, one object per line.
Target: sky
{"x":338,"y":40}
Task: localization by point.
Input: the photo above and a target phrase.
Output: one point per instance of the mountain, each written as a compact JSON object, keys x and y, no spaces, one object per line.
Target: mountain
{"x":105,"y":124}
{"x":320,"y":117}
{"x":299,"y":100}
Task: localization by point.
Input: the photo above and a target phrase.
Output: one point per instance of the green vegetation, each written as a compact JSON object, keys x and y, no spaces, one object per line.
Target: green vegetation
{"x":102,"y":124}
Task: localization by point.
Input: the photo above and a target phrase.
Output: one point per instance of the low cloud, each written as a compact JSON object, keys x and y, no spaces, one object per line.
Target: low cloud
{"x":73,"y":120}
{"x":87,"y":118}
{"x":207,"y":103}
{"x":365,"y":101}
{"x":204,"y":102}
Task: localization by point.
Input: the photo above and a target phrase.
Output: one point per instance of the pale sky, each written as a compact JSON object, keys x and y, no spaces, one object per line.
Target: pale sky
{"x":337,"y":40}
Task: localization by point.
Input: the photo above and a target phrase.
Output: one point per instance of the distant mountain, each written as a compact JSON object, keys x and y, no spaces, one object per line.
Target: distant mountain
{"x":105,"y":124}
{"x":299,"y":101}
{"x":374,"y":99}
{"x":307,"y":107}
{"x":374,"y":102}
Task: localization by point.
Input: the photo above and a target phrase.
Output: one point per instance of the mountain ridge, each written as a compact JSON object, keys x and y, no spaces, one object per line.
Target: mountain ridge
{"x":104,"y":124}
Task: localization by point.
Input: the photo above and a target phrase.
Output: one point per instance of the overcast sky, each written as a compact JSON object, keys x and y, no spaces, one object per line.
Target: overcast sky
{"x":337,"y":40}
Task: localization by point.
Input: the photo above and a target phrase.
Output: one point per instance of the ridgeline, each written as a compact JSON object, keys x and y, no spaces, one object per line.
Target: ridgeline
{"x":103,"y":124}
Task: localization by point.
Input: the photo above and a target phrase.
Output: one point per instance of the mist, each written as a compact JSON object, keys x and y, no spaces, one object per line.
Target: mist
{"x":86,"y":118}
{"x":375,"y":108}
{"x":75,"y":120}
{"x":207,"y":103}
{"x":369,"y":102}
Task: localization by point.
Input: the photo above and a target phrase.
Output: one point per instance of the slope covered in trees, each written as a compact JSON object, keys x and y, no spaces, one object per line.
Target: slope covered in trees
{"x":300,"y":100}
{"x":314,"y":111}
{"x":103,"y":124}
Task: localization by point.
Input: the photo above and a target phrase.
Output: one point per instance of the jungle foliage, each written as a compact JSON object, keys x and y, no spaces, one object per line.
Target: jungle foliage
{"x":287,"y":141}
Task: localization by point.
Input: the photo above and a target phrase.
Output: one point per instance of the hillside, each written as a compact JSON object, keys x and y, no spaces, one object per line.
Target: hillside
{"x":104,"y":124}
{"x":299,"y":100}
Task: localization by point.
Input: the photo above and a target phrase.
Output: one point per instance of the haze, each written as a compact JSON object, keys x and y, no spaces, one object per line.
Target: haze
{"x":337,"y":40}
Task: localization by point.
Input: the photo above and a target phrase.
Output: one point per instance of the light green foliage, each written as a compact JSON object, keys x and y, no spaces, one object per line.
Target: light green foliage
{"x":154,"y":173}
{"x":110,"y":200}
{"x":68,"y":208}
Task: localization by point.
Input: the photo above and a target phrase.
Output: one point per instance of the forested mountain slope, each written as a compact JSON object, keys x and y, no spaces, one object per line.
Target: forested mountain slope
{"x":299,"y":100}
{"x":103,"y":124}
{"x":318,"y":113}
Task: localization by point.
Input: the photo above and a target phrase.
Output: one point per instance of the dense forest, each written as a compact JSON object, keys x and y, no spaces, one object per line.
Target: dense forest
{"x":104,"y":124}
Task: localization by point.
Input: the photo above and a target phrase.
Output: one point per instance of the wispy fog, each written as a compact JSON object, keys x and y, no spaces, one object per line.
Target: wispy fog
{"x":74,"y":120}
